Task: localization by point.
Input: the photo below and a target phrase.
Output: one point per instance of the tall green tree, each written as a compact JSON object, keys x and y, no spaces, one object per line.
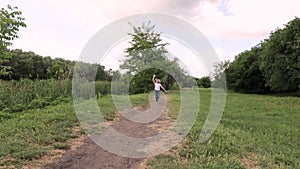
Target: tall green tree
{"x":204,"y":82}
{"x":244,"y":75}
{"x":10,"y":21}
{"x":147,"y":55}
{"x":146,"y":47}
{"x":280,"y":59}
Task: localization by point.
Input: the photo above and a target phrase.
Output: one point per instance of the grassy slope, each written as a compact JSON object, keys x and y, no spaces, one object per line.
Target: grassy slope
{"x":255,"y":130}
{"x":31,"y":134}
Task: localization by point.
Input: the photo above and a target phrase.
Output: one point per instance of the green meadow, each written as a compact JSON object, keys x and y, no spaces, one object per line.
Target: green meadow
{"x":256,"y":131}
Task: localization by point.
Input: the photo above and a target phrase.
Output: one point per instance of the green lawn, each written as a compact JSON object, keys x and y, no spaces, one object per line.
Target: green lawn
{"x":33,"y":133}
{"x":255,"y":131}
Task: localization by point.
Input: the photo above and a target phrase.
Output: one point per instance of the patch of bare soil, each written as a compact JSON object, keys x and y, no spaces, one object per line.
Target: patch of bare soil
{"x":251,"y":161}
{"x":89,"y":155}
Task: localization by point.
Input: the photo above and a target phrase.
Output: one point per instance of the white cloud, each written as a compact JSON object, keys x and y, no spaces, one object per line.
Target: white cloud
{"x":247,"y":19}
{"x":61,"y":28}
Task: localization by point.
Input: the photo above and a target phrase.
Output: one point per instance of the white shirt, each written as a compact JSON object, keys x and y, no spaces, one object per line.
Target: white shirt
{"x":157,"y":86}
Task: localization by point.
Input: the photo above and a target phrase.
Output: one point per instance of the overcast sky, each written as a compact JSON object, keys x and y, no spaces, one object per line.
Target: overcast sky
{"x":61,"y":28}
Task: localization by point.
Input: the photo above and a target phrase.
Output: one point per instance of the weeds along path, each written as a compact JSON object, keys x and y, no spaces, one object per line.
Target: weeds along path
{"x":90,"y":155}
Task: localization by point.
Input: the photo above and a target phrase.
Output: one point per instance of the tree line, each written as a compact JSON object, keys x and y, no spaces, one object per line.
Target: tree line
{"x":32,"y":66}
{"x":271,"y":66}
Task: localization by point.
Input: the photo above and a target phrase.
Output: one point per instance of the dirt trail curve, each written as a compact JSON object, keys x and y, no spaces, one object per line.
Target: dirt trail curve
{"x":91,"y":156}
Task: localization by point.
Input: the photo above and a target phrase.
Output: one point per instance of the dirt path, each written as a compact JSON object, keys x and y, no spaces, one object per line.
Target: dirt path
{"x":90,"y":155}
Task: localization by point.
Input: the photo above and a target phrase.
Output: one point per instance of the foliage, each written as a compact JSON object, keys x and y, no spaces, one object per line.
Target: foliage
{"x":271,"y":66}
{"x":244,"y":75}
{"x":17,"y":96}
{"x":146,"y":56}
{"x":10,"y":22}
{"x":142,"y":82}
{"x":175,"y":86}
{"x":33,"y":66}
{"x":219,"y":77}
{"x":280,"y":60}
{"x":189,"y":82}
{"x":204,"y":82}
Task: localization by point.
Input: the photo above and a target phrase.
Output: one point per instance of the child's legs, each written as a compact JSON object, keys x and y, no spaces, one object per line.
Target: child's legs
{"x":157,"y":94}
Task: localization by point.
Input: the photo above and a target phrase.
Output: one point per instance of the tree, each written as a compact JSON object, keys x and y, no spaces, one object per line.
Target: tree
{"x":146,"y":46}
{"x":204,"y":82}
{"x":280,"y":61}
{"x":244,"y":75}
{"x":22,"y":64}
{"x":146,"y":56}
{"x":102,"y":75}
{"x":116,"y":75}
{"x":219,"y":78}
{"x":10,"y":22}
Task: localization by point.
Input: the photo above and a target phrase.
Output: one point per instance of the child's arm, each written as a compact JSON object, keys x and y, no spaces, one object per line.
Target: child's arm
{"x":163,"y":88}
{"x":153,"y":78}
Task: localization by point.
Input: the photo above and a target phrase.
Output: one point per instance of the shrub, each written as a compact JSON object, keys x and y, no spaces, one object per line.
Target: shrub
{"x":174,"y":87}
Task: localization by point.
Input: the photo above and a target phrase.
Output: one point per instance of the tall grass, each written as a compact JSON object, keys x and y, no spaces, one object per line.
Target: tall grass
{"x":16,"y":96}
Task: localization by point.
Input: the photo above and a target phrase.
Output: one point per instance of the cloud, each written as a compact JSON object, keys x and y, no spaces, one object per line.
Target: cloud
{"x":246,"y":19}
{"x":61,"y":28}
{"x":179,"y":8}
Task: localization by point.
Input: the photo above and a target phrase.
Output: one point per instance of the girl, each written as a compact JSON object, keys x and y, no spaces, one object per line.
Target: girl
{"x":157,"y":87}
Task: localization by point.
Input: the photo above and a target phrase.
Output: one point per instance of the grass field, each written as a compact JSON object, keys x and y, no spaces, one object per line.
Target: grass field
{"x":256,"y":131}
{"x":32,"y":134}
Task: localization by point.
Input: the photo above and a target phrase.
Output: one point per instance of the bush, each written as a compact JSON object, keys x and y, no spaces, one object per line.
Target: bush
{"x":102,"y":87}
{"x":174,"y":87}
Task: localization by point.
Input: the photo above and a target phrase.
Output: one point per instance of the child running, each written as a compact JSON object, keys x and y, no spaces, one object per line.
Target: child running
{"x":157,"y":87}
